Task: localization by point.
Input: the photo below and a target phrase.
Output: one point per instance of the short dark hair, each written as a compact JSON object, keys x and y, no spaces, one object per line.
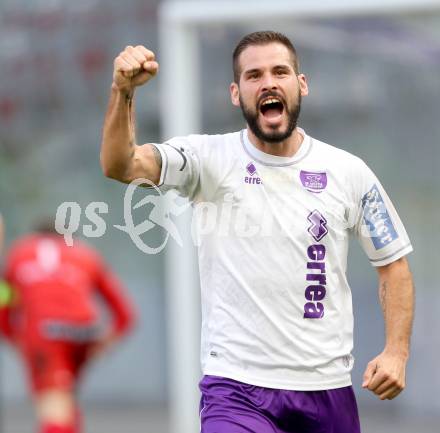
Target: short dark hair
{"x":262,"y":38}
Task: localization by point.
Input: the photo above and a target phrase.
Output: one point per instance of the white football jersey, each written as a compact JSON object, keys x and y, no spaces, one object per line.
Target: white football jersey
{"x":273,"y":235}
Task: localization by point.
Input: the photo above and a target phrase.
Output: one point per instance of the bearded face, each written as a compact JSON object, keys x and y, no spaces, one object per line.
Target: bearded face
{"x":268,"y":89}
{"x":272,"y":119}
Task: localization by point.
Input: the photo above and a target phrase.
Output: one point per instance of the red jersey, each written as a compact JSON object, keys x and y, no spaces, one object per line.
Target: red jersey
{"x":55,"y":282}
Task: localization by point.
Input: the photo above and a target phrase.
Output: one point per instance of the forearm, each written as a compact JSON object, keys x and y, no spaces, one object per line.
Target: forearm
{"x":117,"y":300}
{"x":118,"y":142}
{"x":121,"y":158}
{"x":396,"y":293}
{"x":124,"y":316}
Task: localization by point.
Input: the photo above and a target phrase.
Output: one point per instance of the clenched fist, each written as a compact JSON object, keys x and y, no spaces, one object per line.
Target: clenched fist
{"x":134,"y":67}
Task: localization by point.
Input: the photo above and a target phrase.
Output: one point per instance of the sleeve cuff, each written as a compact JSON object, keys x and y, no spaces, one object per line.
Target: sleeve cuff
{"x":392,"y":257}
{"x":164,"y":168}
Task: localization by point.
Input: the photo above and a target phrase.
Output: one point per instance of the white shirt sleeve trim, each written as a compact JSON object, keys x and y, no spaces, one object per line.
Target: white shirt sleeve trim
{"x":392,"y":257}
{"x":164,"y":168}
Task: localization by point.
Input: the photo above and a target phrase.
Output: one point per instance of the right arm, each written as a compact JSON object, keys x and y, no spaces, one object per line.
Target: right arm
{"x":113,"y":292}
{"x":121,"y":158}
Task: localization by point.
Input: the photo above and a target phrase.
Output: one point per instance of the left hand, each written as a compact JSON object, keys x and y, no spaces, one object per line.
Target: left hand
{"x":385,"y":375}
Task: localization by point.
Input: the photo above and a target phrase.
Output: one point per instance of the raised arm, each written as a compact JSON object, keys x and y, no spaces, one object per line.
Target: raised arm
{"x":385,"y":374}
{"x":121,"y":158}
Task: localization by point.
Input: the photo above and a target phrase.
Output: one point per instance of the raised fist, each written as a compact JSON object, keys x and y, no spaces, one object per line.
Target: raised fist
{"x":134,"y":67}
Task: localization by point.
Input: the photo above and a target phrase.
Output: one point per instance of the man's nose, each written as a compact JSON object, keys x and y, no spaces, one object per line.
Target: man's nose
{"x":269,"y":83}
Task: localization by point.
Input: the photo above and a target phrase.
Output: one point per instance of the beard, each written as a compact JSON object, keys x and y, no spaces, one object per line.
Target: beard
{"x":275,"y":136}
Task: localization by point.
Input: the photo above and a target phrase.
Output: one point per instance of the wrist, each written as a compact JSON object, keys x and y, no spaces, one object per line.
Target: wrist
{"x":126,"y":93}
{"x":397,"y":351}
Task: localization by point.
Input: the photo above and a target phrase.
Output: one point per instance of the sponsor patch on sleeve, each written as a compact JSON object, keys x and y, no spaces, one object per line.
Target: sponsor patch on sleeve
{"x":377,"y":220}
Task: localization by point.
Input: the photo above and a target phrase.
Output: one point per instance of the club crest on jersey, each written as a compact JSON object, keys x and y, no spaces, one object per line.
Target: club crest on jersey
{"x":253,"y":175}
{"x":312,"y":181}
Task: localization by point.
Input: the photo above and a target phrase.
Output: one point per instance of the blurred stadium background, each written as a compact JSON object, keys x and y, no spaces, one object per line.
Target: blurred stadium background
{"x":375,"y":87}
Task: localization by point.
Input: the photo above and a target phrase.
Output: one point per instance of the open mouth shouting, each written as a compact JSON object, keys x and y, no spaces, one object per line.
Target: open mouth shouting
{"x":272,"y":109}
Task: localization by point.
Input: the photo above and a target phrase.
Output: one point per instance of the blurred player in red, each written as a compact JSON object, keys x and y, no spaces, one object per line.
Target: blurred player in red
{"x":54,"y":321}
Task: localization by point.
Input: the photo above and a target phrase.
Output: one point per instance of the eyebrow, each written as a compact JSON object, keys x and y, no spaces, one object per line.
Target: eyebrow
{"x":276,"y":67}
{"x":251,"y":71}
{"x":283,"y":67}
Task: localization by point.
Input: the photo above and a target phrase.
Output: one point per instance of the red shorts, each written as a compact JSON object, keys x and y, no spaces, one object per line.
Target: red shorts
{"x":53,"y":362}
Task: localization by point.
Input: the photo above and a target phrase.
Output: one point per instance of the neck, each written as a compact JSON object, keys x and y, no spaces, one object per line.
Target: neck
{"x":287,"y":147}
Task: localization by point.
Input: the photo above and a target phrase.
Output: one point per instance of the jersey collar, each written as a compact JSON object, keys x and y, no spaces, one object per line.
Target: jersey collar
{"x":273,"y":160}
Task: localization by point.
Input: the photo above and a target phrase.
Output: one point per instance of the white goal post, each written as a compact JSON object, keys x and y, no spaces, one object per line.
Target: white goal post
{"x":181,"y":115}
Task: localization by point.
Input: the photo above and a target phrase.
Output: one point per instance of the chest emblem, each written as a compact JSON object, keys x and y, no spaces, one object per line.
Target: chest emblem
{"x":312,"y":181}
{"x":253,"y":177}
{"x":318,"y":227}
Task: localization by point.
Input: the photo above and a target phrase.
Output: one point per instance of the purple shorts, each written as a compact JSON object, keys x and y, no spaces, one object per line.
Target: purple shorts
{"x":228,"y":406}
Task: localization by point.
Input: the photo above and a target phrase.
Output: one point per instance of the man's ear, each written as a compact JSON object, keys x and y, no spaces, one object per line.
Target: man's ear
{"x":303,"y":85}
{"x":235,"y":94}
